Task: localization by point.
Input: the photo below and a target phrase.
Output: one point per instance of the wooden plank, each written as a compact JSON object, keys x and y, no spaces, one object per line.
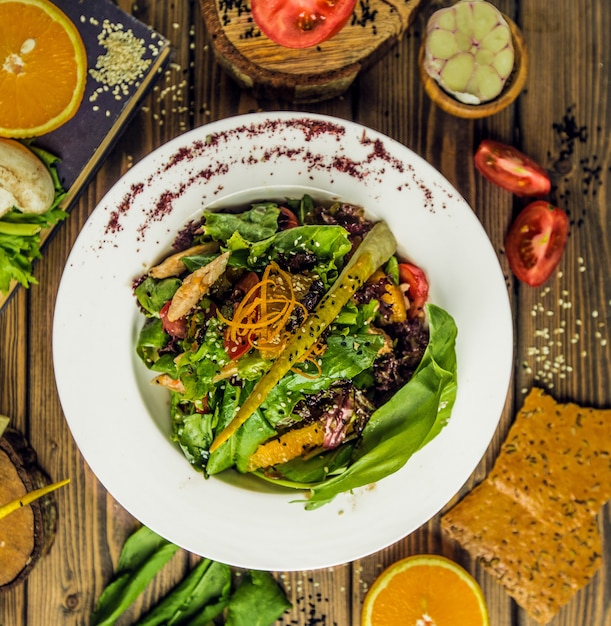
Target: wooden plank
{"x":308,"y":74}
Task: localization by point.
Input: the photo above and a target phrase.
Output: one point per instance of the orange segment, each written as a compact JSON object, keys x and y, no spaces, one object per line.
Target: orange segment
{"x":43,"y":68}
{"x":425,"y":590}
{"x":288,"y":446}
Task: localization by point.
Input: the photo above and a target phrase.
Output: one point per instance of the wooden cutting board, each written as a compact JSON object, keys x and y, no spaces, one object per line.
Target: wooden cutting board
{"x":303,"y":75}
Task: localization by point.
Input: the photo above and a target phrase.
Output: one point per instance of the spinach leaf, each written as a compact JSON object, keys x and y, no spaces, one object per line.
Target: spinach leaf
{"x":411,"y":418}
{"x":258,"y":601}
{"x":247,"y":438}
{"x":193,"y":433}
{"x":143,"y":555}
{"x":208,"y":585}
{"x":250,"y":599}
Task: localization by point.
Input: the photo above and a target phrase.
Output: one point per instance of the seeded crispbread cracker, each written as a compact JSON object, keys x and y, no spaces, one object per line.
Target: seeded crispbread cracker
{"x":532,"y":521}
{"x":556,"y":460}
{"x":539,"y":567}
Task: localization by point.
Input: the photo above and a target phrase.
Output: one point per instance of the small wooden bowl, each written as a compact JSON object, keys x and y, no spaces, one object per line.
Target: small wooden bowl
{"x":511,"y":91}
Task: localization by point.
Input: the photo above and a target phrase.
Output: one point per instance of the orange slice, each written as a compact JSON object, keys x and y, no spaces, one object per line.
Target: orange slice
{"x":288,"y":446}
{"x":43,"y":68}
{"x":425,"y":590}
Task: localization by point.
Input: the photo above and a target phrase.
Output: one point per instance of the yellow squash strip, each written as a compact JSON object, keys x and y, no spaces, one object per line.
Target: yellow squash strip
{"x":377,"y":247}
{"x":30,"y":497}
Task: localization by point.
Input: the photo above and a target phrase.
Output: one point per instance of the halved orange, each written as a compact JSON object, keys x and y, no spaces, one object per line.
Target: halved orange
{"x":43,"y":68}
{"x":425,"y":590}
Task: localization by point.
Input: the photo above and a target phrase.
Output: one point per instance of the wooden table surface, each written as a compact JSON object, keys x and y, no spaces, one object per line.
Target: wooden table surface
{"x":562,"y":119}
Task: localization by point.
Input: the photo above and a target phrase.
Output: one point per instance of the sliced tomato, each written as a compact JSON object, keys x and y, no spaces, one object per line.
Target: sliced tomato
{"x":301,"y":23}
{"x":287,"y":219}
{"x":176,"y":328}
{"x":235,"y":349}
{"x":508,"y":168}
{"x":535,"y":242}
{"x":418,"y":287}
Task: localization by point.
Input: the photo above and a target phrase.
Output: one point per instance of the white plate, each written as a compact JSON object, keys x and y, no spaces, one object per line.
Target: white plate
{"x":121,"y":423}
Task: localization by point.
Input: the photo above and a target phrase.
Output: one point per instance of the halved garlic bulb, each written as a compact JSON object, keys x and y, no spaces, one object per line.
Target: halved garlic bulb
{"x":469,"y":50}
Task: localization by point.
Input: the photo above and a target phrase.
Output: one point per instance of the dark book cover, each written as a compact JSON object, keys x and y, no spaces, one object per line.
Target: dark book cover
{"x":124,"y":58}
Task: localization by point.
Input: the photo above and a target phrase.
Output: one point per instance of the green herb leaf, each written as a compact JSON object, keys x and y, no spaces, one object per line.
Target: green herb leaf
{"x":143,"y":555}
{"x":208,"y":582}
{"x":258,"y":601}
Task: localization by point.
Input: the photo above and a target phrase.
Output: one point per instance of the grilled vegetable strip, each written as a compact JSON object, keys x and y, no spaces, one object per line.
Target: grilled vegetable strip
{"x":195,"y":286}
{"x":174,"y":266}
{"x":377,"y":247}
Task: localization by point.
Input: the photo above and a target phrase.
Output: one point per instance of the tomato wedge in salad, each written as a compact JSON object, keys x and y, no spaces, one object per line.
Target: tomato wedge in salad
{"x":511,"y":170}
{"x":301,"y":23}
{"x":418,"y":287}
{"x":535,"y":242}
{"x":176,"y":328}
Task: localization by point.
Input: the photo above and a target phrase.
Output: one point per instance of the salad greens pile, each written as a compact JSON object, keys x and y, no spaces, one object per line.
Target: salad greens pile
{"x":20,"y":233}
{"x":378,"y":381}
{"x":211,"y":593}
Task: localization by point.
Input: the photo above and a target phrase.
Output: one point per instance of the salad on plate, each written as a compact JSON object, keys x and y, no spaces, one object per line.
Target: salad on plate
{"x":297,"y":346}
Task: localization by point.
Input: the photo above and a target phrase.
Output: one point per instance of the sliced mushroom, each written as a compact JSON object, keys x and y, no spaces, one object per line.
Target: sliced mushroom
{"x":195,"y":286}
{"x":174,"y":266}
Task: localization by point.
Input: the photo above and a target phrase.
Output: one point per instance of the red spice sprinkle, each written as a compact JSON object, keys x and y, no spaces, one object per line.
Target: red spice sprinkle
{"x":371,"y":167}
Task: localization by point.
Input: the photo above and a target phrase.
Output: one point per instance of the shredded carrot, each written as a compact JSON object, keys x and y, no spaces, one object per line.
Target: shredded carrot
{"x":263,"y":313}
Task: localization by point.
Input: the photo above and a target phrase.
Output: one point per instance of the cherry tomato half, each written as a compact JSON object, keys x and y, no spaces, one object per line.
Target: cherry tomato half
{"x":235,"y":349}
{"x":508,"y":168}
{"x":535,"y":242}
{"x":418,"y":284}
{"x":176,"y":328}
{"x":301,"y":23}
{"x":287,"y":219}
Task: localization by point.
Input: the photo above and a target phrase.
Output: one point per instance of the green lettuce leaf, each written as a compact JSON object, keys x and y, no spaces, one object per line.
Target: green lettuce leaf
{"x":21,"y":233}
{"x":255,"y":224}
